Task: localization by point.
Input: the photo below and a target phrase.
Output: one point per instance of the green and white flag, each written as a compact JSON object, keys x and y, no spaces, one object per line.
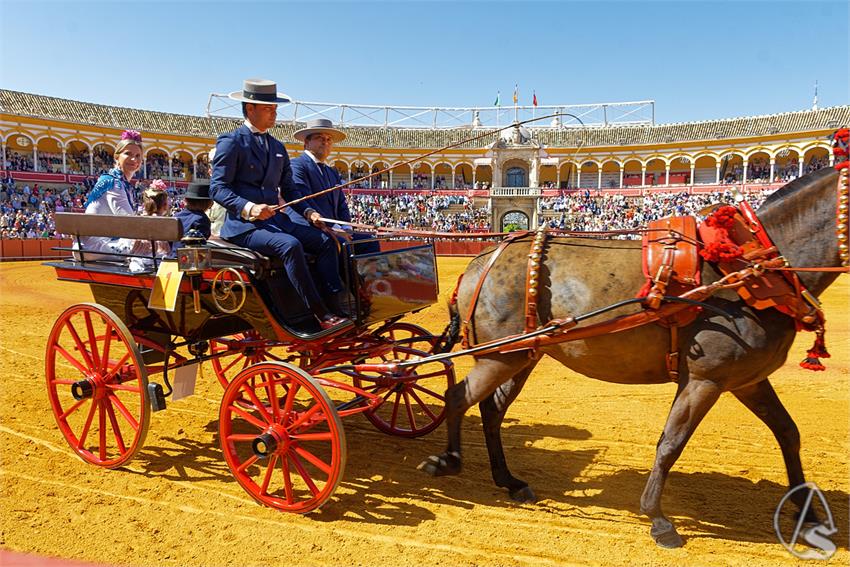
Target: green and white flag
{"x":498,"y":101}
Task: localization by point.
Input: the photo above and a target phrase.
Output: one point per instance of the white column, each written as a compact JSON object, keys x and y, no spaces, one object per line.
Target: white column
{"x":800,"y":166}
{"x":558,"y":177}
{"x":693,"y":168}
{"x":453,"y":179}
{"x":621,"y":176}
{"x":170,"y":159}
{"x":411,"y":178}
{"x":667,"y":175}
{"x":744,"y":177}
{"x":64,"y":161}
{"x":831,"y":159}
{"x":599,"y":179}
{"x":391,"y":179}
{"x":772,"y":164}
{"x":433,"y":179}
{"x":91,"y":161}
{"x":717,"y":175}
{"x":473,"y":177}
{"x":34,"y":157}
{"x":578,"y":177}
{"x":643,"y":176}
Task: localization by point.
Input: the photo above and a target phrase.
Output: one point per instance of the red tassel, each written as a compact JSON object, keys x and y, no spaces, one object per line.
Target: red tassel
{"x":818,"y":350}
{"x":812,"y":364}
{"x":721,"y":251}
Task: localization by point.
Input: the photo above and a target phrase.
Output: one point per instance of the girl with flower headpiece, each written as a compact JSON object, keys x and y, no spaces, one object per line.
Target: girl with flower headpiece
{"x":155,"y":199}
{"x":113,"y":193}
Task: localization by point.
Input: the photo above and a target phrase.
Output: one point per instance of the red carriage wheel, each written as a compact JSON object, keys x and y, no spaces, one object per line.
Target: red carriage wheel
{"x":414,"y":402}
{"x":97,"y":385}
{"x":237,"y":353}
{"x":287,"y":448}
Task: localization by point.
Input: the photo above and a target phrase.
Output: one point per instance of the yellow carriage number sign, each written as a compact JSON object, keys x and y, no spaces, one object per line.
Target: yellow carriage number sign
{"x":165,"y":287}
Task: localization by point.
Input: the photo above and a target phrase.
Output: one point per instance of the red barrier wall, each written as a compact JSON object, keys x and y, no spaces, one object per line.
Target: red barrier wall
{"x":16,"y":249}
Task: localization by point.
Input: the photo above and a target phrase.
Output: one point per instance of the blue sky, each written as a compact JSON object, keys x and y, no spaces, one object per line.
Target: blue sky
{"x":697,"y":60}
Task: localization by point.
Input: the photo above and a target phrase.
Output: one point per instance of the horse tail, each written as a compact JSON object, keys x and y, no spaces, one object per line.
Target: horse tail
{"x":448,"y":339}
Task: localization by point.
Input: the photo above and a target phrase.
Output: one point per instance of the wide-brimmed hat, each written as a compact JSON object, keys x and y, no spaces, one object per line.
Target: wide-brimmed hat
{"x":198,"y":190}
{"x":317,"y":126}
{"x":259,"y":91}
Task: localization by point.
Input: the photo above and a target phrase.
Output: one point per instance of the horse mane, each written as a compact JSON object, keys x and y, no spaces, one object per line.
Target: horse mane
{"x":795,"y":186}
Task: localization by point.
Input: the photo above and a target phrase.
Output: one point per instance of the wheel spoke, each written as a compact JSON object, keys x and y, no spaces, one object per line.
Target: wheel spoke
{"x":290,"y":398}
{"x":287,"y":480}
{"x":107,"y":342}
{"x":304,"y":417}
{"x":124,"y":411}
{"x":248,"y":462}
{"x":326,"y":436}
{"x":431,"y":393}
{"x":74,"y":362}
{"x":86,"y":426}
{"x":257,"y":403}
{"x":308,"y":480}
{"x":117,"y":430}
{"x":270,"y":391}
{"x":114,"y":370}
{"x":422,"y":405}
{"x":229,"y":366}
{"x":248,"y":417}
{"x":80,"y":347}
{"x":92,"y":339}
{"x":264,"y":488}
{"x":395,"y":410}
{"x":101,"y":423}
{"x":431,"y":374}
{"x":409,"y":408}
{"x":123,"y":388}
{"x":239,"y":437}
{"x":317,"y":462}
{"x":72,"y":409}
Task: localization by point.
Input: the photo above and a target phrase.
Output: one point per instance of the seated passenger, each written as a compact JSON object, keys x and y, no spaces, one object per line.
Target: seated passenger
{"x":155,"y":199}
{"x":113,"y":194}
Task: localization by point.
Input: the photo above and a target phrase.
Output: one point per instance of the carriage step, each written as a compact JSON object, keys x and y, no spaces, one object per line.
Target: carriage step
{"x":157,"y":396}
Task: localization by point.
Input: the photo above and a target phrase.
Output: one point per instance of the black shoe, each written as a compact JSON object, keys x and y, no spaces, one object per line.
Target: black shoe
{"x":338,"y":307}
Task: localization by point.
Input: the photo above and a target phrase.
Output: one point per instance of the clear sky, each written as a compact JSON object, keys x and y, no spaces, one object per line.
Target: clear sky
{"x":697,"y":60}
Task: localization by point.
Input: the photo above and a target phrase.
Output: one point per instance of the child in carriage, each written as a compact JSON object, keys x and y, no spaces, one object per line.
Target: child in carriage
{"x":196,"y":204}
{"x":155,"y":199}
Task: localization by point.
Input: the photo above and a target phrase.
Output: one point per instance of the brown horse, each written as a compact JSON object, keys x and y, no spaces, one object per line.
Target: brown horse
{"x":717,"y":354}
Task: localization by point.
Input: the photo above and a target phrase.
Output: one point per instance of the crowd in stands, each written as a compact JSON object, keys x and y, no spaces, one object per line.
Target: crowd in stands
{"x":584,"y":211}
{"x":421,"y":212}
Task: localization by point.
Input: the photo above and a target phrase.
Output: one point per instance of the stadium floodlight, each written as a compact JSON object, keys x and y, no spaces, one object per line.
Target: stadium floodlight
{"x":640,"y":112}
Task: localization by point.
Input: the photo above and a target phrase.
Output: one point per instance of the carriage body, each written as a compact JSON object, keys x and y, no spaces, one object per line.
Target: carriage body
{"x":217,"y":304}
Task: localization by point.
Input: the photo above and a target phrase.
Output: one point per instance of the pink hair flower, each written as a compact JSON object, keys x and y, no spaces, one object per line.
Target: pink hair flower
{"x":133,"y":135}
{"x":158,"y":185}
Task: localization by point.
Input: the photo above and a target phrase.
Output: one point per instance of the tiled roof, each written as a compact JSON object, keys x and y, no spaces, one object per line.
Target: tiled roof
{"x":26,"y":104}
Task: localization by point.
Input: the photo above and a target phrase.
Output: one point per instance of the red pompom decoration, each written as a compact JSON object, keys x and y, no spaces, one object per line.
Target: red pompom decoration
{"x":721,"y":251}
{"x":722,"y":217}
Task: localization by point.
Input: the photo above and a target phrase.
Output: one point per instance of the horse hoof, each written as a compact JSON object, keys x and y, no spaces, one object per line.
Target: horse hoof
{"x":524,"y":494}
{"x":666,"y":537}
{"x":440,"y":465}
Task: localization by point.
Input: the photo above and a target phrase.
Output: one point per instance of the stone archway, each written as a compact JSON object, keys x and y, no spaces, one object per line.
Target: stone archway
{"x":514,"y":220}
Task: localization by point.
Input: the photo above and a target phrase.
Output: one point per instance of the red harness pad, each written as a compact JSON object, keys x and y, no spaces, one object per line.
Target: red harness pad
{"x":671,"y":263}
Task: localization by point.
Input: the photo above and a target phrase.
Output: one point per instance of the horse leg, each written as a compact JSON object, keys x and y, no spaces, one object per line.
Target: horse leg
{"x":487,"y":374}
{"x":493,"y":411}
{"x":692,"y":402}
{"x":761,"y":399}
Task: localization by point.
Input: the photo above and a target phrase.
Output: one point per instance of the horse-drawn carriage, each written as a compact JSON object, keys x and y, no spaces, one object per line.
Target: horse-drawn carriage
{"x":727,"y":302}
{"x":280,"y":424}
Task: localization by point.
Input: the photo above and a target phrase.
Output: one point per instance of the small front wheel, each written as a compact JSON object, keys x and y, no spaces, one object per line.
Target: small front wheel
{"x":282,"y":437}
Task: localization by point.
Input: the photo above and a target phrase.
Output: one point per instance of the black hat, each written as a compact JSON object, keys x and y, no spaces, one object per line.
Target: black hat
{"x":198,"y":190}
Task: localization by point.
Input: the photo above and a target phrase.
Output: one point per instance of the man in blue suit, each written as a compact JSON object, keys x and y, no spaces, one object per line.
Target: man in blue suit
{"x":310,"y":175}
{"x":250,"y":171}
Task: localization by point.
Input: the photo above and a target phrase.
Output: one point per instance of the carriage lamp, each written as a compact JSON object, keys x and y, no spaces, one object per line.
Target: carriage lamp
{"x":193,"y":258}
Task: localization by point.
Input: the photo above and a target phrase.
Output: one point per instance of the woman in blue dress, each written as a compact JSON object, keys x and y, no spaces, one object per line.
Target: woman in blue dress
{"x":113,"y":194}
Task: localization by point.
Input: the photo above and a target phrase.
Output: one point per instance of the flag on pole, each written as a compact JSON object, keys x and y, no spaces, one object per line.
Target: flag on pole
{"x":534,"y":99}
{"x":497,"y":102}
{"x":516,"y":94}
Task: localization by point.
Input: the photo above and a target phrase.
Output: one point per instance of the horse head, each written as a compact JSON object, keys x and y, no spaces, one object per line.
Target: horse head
{"x":801,"y":220}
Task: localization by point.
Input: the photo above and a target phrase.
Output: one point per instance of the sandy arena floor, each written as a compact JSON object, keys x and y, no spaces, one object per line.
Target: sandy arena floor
{"x":585,"y":447}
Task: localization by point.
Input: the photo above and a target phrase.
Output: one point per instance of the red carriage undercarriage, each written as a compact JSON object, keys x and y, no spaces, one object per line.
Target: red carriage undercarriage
{"x":286,"y":387}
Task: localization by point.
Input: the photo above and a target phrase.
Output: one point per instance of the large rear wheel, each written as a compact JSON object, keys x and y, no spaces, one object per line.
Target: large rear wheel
{"x":282,"y":437}
{"x":97,"y":385}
